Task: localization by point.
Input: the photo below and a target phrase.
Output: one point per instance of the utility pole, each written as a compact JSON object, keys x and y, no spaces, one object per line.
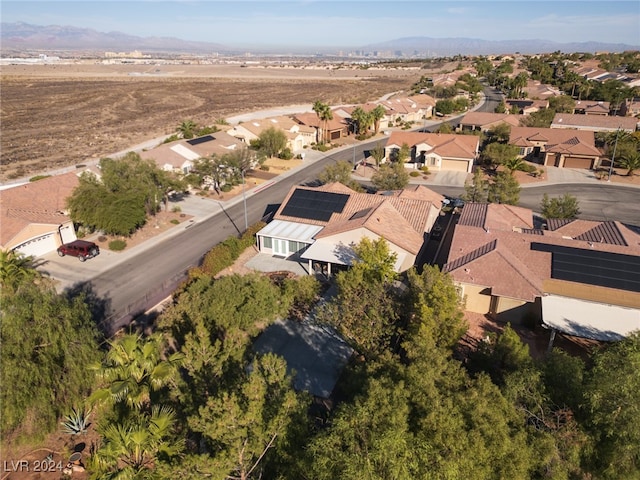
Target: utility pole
{"x":613,"y":157}
{"x":244,"y":201}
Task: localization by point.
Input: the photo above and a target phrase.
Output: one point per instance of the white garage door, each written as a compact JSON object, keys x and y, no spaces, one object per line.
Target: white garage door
{"x":39,"y":246}
{"x":455,"y":165}
{"x":68,"y":234}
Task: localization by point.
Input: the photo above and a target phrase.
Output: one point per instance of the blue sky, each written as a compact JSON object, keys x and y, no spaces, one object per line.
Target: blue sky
{"x":341,"y":24}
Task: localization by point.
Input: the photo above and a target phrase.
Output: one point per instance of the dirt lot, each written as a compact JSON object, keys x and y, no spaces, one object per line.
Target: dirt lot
{"x":54,"y":116}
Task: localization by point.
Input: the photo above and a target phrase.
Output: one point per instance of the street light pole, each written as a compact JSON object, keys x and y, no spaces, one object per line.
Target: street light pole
{"x":354,"y":155}
{"x":244,"y":201}
{"x":613,"y":157}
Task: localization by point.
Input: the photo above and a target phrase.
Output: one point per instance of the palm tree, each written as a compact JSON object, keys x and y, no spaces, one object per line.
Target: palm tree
{"x":630,"y":161}
{"x":15,"y":268}
{"x":513,"y":164}
{"x":377,"y":114}
{"x":131,"y":450}
{"x":186,"y":128}
{"x":133,"y":369}
{"x":362,"y":119}
{"x":324,"y":113}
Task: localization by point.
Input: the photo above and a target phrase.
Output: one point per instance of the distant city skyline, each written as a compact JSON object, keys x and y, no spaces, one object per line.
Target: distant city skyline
{"x":352,"y":23}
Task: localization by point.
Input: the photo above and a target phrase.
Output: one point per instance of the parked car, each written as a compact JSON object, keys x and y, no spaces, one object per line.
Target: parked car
{"x":79,"y":248}
{"x":436,"y":231}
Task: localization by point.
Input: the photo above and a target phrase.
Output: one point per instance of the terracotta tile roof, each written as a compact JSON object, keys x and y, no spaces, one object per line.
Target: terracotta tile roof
{"x":590,"y":106}
{"x":444,"y":144}
{"x":502,"y":258}
{"x":576,"y":142}
{"x":595,"y":122}
{"x":43,"y":201}
{"x":311,"y":119}
{"x":401,"y":220}
{"x":493,"y":216}
{"x":488,"y":119}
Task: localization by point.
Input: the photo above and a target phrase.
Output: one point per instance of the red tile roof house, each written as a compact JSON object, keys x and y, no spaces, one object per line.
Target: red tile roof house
{"x":438,"y":151}
{"x":321,"y":225}
{"x":33,"y":216}
{"x":409,"y":109}
{"x":337,"y":127}
{"x":590,"y":107}
{"x":580,"y":277}
{"x":526,"y":106}
{"x":180,"y":156}
{"x":484,"y":121}
{"x":298,"y":136}
{"x":556,"y":147}
{"x":594,"y":123}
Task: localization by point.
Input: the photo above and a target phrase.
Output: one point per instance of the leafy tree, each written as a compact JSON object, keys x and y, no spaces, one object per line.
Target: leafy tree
{"x":613,"y":408}
{"x":243,"y":424}
{"x":404,"y":154}
{"x":187,"y":128}
{"x":566,"y":206}
{"x":496,"y":154}
{"x":391,"y":176}
{"x":133,"y":369}
{"x":501,"y":107}
{"x":271,"y":141}
{"x":47,"y":341}
{"x":499,"y":133}
{"x":324,"y":113}
{"x":446,"y":106}
{"x":435,"y":307}
{"x":15,"y":269}
{"x":476,"y":190}
{"x":504,"y":189}
{"x":378,"y":154}
{"x":562,"y":104}
{"x":364,"y":310}
{"x":340,"y":172}
{"x":118,"y":203}
{"x":542,"y":118}
{"x":133,"y":447}
{"x":445,"y":128}
{"x":630,"y":161}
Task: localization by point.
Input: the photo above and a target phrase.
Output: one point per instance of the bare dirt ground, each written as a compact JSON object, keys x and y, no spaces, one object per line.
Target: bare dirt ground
{"x":54,"y":116}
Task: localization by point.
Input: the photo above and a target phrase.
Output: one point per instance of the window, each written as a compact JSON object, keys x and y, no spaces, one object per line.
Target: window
{"x":267,"y":242}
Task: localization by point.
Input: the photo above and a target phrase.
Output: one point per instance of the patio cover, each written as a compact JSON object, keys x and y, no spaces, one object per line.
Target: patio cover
{"x":300,"y":232}
{"x":327,"y":251}
{"x":586,"y":319}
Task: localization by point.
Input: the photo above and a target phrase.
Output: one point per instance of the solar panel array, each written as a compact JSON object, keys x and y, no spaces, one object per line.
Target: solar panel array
{"x":592,"y":267}
{"x":314,"y":204}
{"x":360,"y":213}
{"x":199,"y":140}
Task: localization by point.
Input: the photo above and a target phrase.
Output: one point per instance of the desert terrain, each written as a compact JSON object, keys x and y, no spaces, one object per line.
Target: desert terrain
{"x":60,"y":115}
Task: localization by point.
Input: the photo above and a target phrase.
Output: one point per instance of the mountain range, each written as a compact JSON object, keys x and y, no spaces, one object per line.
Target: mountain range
{"x":22,"y":36}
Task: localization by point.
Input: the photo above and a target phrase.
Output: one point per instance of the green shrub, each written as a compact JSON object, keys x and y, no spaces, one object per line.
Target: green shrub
{"x":227,"y":187}
{"x":414,"y":174}
{"x":172,"y":138}
{"x":176,"y":209}
{"x":286,"y":154}
{"x":224,"y":254}
{"x":117,"y":245}
{"x":175,"y":221}
{"x":264,"y":168}
{"x":38,"y":177}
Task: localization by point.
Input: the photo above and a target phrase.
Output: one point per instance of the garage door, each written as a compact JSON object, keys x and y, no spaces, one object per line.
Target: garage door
{"x":455,"y":165}
{"x":39,"y":246}
{"x":573,"y":162}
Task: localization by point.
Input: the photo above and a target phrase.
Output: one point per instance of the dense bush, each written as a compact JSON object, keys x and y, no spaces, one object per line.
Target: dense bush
{"x":414,"y":174}
{"x":117,"y":245}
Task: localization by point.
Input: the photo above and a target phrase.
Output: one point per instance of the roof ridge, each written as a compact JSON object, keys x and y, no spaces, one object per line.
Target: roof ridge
{"x":471,"y":256}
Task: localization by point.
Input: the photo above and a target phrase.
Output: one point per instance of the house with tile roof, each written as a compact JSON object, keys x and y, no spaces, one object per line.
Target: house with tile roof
{"x":34,"y":215}
{"x":594,"y":123}
{"x":590,"y":107}
{"x":338,"y":127}
{"x":578,"y":276}
{"x":525,"y":106}
{"x":485,"y":121}
{"x":322,"y":225}
{"x":556,"y":147}
{"x":299,"y":136}
{"x":181,"y":156}
{"x":537,"y":89}
{"x":438,"y":151}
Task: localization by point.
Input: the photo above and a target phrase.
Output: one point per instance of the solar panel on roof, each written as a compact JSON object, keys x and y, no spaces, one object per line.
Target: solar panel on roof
{"x":592,"y":267}
{"x":360,"y":213}
{"x":314,"y":204}
{"x":199,"y":140}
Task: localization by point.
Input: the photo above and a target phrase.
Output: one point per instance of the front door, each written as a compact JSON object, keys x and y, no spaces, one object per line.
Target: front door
{"x":280,"y":247}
